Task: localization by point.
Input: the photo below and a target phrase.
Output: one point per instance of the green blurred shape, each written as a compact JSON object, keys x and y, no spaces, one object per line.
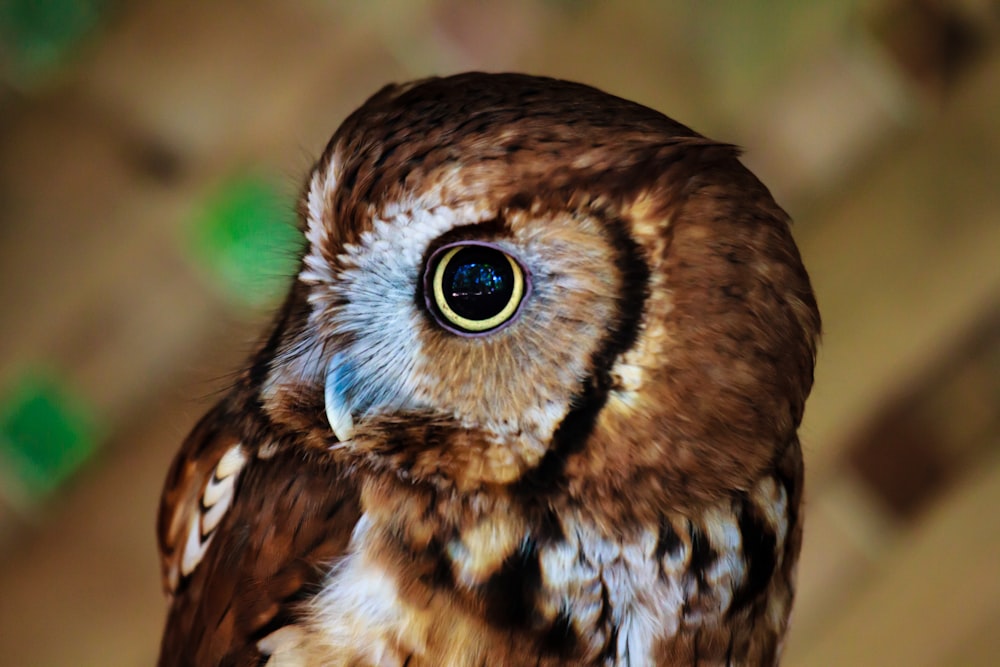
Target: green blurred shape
{"x":36,"y":35}
{"x":46,"y":432}
{"x":246,"y":236}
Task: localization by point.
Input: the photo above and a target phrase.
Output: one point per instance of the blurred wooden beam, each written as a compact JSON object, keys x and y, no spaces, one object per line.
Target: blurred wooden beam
{"x":903,"y":264}
{"x":933,"y":594}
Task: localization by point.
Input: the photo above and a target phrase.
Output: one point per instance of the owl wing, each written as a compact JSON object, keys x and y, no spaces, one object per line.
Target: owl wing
{"x":244,"y":529}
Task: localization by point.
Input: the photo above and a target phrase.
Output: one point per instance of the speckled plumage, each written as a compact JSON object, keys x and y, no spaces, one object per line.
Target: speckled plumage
{"x":612,"y":478}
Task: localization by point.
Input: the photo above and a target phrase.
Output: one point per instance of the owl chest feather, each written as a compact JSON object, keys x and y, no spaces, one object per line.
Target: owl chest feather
{"x":583,"y":597}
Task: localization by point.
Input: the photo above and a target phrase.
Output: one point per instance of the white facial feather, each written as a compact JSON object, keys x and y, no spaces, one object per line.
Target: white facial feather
{"x":374,"y":288}
{"x":321,"y":186}
{"x":379,"y":320}
{"x":363,"y":340}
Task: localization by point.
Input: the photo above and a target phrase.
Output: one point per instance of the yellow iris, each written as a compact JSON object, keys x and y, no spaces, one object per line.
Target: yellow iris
{"x":476,"y":325}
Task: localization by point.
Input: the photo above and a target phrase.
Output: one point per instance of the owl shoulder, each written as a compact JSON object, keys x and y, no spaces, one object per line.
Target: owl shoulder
{"x":246,"y":528}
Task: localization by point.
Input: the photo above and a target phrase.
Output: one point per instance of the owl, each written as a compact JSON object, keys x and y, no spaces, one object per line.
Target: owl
{"x":532,"y":399}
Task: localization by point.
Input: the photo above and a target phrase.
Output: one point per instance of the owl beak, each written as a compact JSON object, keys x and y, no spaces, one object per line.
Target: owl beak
{"x":335,"y":394}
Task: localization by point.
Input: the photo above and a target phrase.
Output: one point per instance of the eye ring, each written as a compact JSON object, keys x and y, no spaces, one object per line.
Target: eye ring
{"x":473,"y":288}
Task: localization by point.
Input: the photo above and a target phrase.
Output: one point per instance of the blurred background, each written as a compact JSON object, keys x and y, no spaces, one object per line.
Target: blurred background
{"x":150,"y":152}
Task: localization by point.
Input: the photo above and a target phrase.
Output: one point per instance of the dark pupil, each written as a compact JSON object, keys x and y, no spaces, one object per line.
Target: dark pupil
{"x":478,"y":282}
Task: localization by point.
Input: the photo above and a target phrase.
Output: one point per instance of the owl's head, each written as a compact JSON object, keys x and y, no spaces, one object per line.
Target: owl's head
{"x":517,"y":280}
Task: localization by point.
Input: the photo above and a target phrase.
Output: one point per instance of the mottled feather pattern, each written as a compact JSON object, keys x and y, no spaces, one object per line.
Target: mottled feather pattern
{"x":611,"y":477}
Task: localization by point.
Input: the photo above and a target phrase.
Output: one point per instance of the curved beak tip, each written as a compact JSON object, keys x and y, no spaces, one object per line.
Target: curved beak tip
{"x":341,"y":423}
{"x":338,"y":408}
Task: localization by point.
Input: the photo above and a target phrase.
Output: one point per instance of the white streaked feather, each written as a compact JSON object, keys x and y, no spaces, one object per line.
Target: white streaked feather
{"x":771,"y":501}
{"x":231,"y":462}
{"x":211,"y":518}
{"x":218,"y":492}
{"x":644,"y":603}
{"x":216,"y":499}
{"x":216,"y":489}
{"x":194,"y":548}
{"x":286,"y":647}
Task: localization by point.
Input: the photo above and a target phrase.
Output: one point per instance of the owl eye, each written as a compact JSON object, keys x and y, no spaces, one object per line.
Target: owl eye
{"x":473,"y":288}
